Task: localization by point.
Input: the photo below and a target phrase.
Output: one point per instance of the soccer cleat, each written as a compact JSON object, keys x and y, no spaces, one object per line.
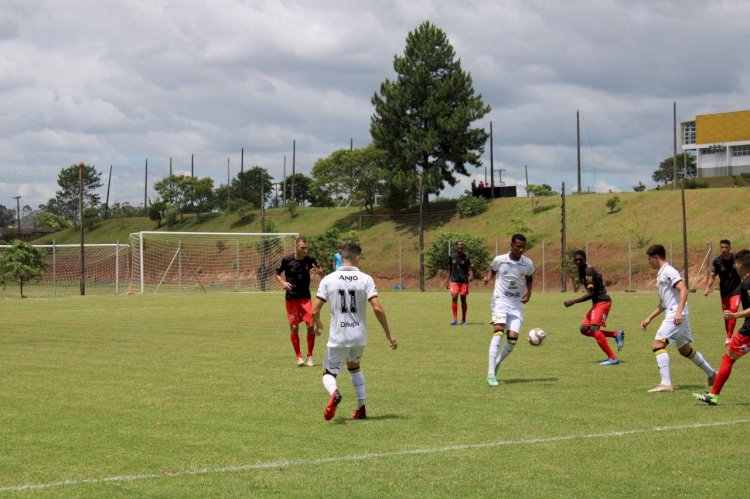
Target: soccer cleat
{"x":463,"y":322}
{"x":330,"y":410}
{"x":661,"y":388}
{"x":360,"y":413}
{"x":609,"y":362}
{"x":300,"y":362}
{"x":726,"y":342}
{"x":310,"y":362}
{"x":492,"y":380}
{"x":454,"y":322}
{"x":620,"y":339}
{"x":708,"y":398}
{"x":711,"y":379}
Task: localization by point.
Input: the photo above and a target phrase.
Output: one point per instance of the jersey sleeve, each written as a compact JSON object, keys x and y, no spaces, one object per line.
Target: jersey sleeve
{"x":370,"y":288}
{"x":715,"y":266}
{"x":495,"y":265}
{"x":673,"y":275}
{"x":532,"y":269}
{"x":323,"y":289}
{"x":282,"y":266}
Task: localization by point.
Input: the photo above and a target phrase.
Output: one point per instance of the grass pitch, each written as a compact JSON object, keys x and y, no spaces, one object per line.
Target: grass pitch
{"x":199,"y":396}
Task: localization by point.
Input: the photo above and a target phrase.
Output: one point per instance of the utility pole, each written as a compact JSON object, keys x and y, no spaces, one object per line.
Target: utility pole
{"x":526,"y":170}
{"x":80,"y":219}
{"x":145,"y":192}
{"x":563,"y":246}
{"x":674,"y":141}
{"x":18,"y":215}
{"x":492,"y":166}
{"x":578,"y":147}
{"x":294,"y":164}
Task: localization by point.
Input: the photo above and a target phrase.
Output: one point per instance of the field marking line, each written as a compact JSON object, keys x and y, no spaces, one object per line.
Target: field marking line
{"x":362,"y":457}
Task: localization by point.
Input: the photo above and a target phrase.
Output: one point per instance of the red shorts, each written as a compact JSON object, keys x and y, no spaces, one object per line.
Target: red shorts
{"x":731,"y":303}
{"x":739,"y":344}
{"x":597,"y":314}
{"x":460,"y":288}
{"x":299,"y":310}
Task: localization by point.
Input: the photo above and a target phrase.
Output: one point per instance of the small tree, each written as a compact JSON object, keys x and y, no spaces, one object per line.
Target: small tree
{"x":436,"y":256}
{"x":323,"y":246}
{"x":242,"y":207}
{"x":157,"y":211}
{"x":22,"y":263}
{"x":613,"y":204}
{"x":470,"y":206}
{"x":536,"y":192}
{"x":640,"y":187}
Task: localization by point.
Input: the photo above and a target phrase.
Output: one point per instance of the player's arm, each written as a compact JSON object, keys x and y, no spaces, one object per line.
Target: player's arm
{"x":645,"y":322}
{"x":529,"y":285}
{"x":317,"y":305}
{"x":490,"y":275}
{"x":383,"y":320}
{"x":711,"y":280}
{"x":280,"y":280}
{"x":584,"y":297}
{"x":728,"y":315}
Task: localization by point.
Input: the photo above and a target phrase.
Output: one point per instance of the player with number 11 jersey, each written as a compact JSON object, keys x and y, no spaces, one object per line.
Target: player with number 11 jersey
{"x":347,"y":290}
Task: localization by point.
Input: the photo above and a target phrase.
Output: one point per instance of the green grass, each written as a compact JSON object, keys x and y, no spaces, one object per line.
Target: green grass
{"x":198,"y":396}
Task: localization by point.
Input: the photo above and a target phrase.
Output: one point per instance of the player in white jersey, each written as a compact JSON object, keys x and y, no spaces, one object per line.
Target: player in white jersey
{"x":675,"y":328}
{"x":347,"y":290}
{"x":513,"y":274}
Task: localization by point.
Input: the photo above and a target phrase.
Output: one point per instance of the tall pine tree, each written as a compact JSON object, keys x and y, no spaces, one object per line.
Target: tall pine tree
{"x":422,"y":120}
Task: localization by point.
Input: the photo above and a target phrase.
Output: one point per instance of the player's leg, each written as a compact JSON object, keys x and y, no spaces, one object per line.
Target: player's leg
{"x":294,"y":318}
{"x":306,"y":307}
{"x":737,"y":347}
{"x":659,"y":347}
{"x":512,"y":327}
{"x":601,"y":340}
{"x":683,"y":343}
{"x":454,"y":302}
{"x":591,"y":326}
{"x":333,"y":360}
{"x":358,"y":381}
{"x":498,"y":331}
{"x":464,"y":304}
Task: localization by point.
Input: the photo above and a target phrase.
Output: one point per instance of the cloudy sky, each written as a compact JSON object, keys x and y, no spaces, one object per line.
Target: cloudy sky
{"x":119,"y":82}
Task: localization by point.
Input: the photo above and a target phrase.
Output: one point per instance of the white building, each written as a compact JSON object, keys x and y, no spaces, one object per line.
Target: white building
{"x":721,"y":143}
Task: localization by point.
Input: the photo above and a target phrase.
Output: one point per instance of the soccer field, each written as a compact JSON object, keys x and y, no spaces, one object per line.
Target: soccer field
{"x":193,"y":395}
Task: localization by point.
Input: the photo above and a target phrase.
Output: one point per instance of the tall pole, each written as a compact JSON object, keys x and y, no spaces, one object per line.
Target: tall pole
{"x":294,"y":164}
{"x":80,"y":217}
{"x":170,"y":167}
{"x":283,"y":189}
{"x":578,"y":147}
{"x":684,"y":229}
{"x":18,"y":215}
{"x":262,"y":203}
{"x":106,"y":203}
{"x":145,"y":191}
{"x":674,"y":141}
{"x":492,"y":165}
{"x":421,"y":235}
{"x":563,"y":246}
{"x":526,"y":170}
{"x":229,"y":190}
{"x":351,"y":143}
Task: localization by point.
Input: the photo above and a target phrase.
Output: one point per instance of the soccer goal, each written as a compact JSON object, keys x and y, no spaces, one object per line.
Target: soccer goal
{"x":206,"y":261}
{"x":106,"y":269}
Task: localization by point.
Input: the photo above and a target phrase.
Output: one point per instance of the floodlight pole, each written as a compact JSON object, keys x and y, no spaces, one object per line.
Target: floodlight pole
{"x":421,"y":233}
{"x":80,"y":218}
{"x":18,"y":215}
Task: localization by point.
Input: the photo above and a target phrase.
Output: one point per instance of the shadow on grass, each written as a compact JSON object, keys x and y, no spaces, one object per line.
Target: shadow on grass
{"x":437,"y":213}
{"x":530,"y":380}
{"x":384,"y":417}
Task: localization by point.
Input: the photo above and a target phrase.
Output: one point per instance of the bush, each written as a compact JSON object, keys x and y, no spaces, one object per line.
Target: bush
{"x":470,"y":206}
{"x":323,"y":246}
{"x":613,"y":204}
{"x":436,"y":255}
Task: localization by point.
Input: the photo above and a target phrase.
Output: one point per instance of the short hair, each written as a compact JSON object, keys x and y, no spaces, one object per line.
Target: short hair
{"x":725,"y":241}
{"x":517,"y":237}
{"x":580,"y":253}
{"x":743,"y":258}
{"x":300,"y":239}
{"x":657,"y":250}
{"x":350,"y":250}
{"x":459,"y":242}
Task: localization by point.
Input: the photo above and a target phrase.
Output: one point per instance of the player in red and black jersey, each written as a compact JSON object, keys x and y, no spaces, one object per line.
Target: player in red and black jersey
{"x":729,"y":284}
{"x":596,"y":318}
{"x":297,"y":269}
{"x":459,"y":274}
{"x":739,"y":345}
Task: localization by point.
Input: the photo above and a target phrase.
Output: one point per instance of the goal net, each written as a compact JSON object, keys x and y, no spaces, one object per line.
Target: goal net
{"x":106,"y":269}
{"x":206,"y":261}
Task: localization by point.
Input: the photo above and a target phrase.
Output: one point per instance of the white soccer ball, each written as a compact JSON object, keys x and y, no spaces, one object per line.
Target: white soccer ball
{"x":537,"y":336}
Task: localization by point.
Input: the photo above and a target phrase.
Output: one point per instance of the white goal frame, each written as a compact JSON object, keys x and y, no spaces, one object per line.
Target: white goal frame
{"x":179,"y":258}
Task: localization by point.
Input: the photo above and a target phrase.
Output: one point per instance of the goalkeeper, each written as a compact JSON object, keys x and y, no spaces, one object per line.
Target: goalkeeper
{"x":297,"y":268}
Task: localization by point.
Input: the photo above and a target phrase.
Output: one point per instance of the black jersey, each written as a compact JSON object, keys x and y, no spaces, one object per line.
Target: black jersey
{"x":729,"y":279}
{"x":744,"y":291}
{"x":594,"y":283}
{"x":459,"y":265}
{"x":297,"y":273}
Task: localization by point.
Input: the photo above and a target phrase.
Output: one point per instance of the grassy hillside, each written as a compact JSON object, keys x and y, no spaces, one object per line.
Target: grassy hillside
{"x":642,"y":218}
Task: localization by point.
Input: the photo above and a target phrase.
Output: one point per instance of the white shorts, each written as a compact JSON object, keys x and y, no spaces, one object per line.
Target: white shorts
{"x":678,"y":336}
{"x":335,"y":358}
{"x":512,"y":317}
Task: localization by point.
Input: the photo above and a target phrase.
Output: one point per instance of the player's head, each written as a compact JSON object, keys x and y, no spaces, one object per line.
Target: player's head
{"x":579,"y":258}
{"x":300,"y":245}
{"x":350,"y":253}
{"x":742,"y":262}
{"x":656,"y":254}
{"x":460,"y":246}
{"x":517,"y":246}
{"x":725,"y":246}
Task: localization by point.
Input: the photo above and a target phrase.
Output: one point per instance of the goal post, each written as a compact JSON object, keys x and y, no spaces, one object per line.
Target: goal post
{"x":106,"y":270}
{"x":206,"y":261}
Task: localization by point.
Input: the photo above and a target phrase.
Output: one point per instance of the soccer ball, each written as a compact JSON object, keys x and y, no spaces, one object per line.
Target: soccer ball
{"x":537,"y":336}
